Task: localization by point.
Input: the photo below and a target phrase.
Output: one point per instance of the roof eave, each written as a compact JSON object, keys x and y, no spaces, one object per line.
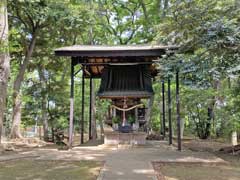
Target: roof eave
{"x":116,"y":53}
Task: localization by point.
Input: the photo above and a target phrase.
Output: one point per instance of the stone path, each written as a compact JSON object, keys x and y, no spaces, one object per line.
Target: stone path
{"x":127,"y":165}
{"x":135,"y":163}
{"x":121,"y":163}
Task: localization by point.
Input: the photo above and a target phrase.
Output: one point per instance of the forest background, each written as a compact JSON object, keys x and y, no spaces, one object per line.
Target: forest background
{"x":35,"y":84}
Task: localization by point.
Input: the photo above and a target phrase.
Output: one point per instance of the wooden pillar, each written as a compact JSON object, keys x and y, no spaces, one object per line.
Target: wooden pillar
{"x":114,"y":112}
{"x":82,"y":120}
{"x":169,"y":111}
{"x":163,"y":110}
{"x":178,"y":112}
{"x":124,"y":120}
{"x":90,"y":110}
{"x":71,"y":106}
{"x":136,"y":119}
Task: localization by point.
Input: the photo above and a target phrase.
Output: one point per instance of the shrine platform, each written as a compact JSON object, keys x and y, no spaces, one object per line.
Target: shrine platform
{"x":132,"y":138}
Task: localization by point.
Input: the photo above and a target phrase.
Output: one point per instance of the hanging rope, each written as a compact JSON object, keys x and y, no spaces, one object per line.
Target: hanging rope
{"x":128,"y":109}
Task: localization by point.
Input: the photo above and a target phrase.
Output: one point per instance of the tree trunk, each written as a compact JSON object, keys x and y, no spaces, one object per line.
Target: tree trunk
{"x":16,"y":115}
{"x":44,"y":118}
{"x":208,"y":124}
{"x":94,"y":123}
{"x":4,"y":61}
{"x":144,"y":9}
{"x":234,"y":138}
{"x":40,"y":132}
{"x":160,"y":5}
{"x":44,"y":104}
{"x":15,"y":131}
{"x":102,"y":127}
{"x":182,"y":127}
{"x":53,"y":135}
{"x":165,"y":7}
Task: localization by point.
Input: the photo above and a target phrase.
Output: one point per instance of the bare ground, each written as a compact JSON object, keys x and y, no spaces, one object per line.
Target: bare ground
{"x":201,"y":171}
{"x":29,"y":169}
{"x":127,"y":163}
{"x":196,"y":171}
{"x":17,"y":162}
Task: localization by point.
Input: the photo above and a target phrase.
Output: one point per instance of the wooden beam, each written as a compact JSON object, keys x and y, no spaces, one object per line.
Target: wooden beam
{"x":118,"y":63}
{"x":163,"y":110}
{"x":71,"y":106}
{"x":90,"y":110}
{"x":169,"y":111}
{"x":82,"y":119}
{"x":178,"y":112}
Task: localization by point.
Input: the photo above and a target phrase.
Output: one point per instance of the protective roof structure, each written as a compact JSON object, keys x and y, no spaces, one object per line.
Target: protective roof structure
{"x":95,"y":57}
{"x":114,"y":51}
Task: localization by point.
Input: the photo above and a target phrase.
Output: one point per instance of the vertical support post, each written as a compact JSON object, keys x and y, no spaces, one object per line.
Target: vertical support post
{"x":163,"y":110}
{"x":114,"y":112}
{"x":178,"y":112}
{"x":136,"y":119}
{"x":82,"y":120}
{"x":71,"y":106}
{"x":90,"y":111}
{"x":169,"y":111}
{"x":124,"y":120}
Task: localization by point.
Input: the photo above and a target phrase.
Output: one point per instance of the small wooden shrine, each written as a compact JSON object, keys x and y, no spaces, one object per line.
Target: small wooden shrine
{"x":126,"y":85}
{"x":126,"y":74}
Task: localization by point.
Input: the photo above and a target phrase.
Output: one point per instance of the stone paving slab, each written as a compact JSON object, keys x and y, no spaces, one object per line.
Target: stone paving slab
{"x":126,"y":165}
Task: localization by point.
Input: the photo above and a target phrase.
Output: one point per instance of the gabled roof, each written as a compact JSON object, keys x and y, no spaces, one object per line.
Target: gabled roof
{"x":114,"y":51}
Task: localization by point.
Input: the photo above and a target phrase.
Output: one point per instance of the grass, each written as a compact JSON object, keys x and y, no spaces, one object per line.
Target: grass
{"x":28,"y":169}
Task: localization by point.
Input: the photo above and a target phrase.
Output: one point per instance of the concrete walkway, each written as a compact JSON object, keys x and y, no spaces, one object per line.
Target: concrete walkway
{"x":121,"y":163}
{"x":135,"y":163}
{"x":127,"y":165}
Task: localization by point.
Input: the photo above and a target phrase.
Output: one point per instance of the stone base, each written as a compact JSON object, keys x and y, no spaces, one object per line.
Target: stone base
{"x":133,"y":138}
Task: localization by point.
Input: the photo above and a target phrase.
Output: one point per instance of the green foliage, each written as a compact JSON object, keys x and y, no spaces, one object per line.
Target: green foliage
{"x":196,"y":104}
{"x":155,"y":114}
{"x":207,"y":32}
{"x":232,"y":108}
{"x":131,"y":119}
{"x":116,"y":120}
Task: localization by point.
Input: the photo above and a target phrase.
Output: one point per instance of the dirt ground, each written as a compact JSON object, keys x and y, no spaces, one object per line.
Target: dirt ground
{"x":29,"y":169}
{"x":32,"y":159}
{"x":201,"y":171}
{"x":197,"y":171}
{"x":32,"y":168}
{"x":212,"y":146}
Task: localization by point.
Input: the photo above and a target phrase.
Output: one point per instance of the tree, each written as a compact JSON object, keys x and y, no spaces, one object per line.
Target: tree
{"x":4,"y":60}
{"x":207,"y":33}
{"x":127,"y":22}
{"x":30,"y":19}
